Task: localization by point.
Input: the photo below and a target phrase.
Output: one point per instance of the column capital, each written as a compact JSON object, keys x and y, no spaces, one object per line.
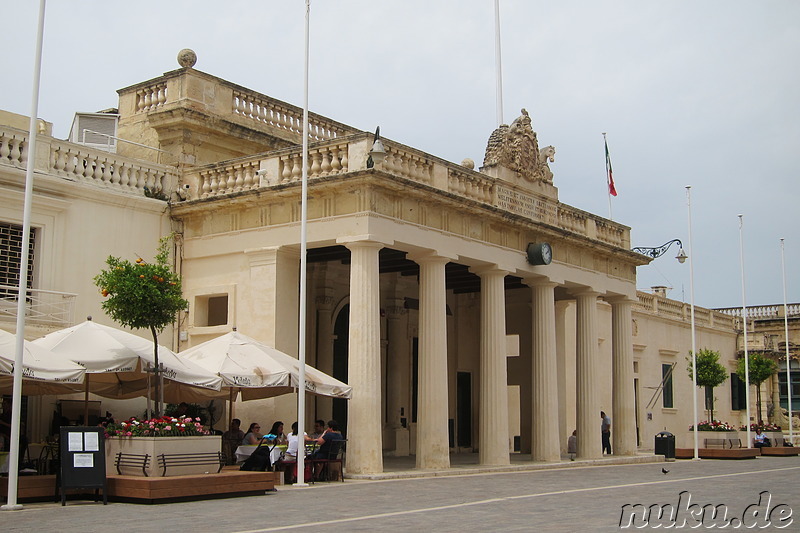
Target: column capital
{"x":355,"y":241}
{"x":268,"y":255}
{"x":539,"y":281}
{"x":489,"y":269}
{"x":621,"y":299}
{"x":586,"y":292}
{"x":430,"y":256}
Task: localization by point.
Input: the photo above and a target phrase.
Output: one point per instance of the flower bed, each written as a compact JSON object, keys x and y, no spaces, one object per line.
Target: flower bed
{"x":762,"y":427}
{"x":714,"y":425}
{"x":165,"y":426}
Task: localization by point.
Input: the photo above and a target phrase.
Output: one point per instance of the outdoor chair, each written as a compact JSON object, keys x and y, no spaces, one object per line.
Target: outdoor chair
{"x":335,"y":457}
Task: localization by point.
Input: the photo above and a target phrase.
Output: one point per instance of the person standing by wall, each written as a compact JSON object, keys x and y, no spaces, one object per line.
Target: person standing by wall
{"x":605,"y":431}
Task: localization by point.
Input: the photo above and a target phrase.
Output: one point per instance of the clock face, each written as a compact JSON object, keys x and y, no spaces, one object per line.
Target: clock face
{"x":539,"y":253}
{"x":547,"y":253}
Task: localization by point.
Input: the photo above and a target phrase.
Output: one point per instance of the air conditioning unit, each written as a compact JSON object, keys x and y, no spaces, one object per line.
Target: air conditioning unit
{"x":97,"y":130}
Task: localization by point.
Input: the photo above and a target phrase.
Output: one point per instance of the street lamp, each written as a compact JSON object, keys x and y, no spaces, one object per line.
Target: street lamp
{"x":660,"y":250}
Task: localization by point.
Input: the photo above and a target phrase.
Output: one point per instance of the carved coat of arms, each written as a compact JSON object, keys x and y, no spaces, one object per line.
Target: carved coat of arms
{"x":516,"y":148}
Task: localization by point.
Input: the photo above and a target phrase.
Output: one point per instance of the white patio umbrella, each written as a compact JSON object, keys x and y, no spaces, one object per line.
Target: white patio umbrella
{"x":42,"y":370}
{"x":257,"y":370}
{"x":117,"y":361}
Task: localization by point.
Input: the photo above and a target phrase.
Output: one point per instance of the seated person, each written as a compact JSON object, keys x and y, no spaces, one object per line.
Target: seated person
{"x":760,"y":440}
{"x":253,"y":435}
{"x":277,"y":430}
{"x":291,"y":450}
{"x":319,"y":429}
{"x":325,"y":441}
{"x":231,"y":440}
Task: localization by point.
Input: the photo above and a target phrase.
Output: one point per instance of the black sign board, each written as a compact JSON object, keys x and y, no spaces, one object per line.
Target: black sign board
{"x":83,"y":460}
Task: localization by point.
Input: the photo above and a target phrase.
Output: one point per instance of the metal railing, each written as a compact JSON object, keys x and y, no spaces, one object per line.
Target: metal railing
{"x":41,"y":306}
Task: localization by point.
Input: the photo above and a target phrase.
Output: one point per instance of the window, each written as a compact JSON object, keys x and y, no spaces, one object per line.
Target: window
{"x":11,"y":257}
{"x":211,"y":310}
{"x":666,"y":383}
{"x":738,"y":393}
{"x":794,"y":370}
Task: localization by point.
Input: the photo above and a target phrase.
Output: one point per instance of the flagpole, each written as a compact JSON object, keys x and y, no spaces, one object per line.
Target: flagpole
{"x":744,"y":327}
{"x":30,"y":160}
{"x":786,"y":333}
{"x":694,"y":335}
{"x":498,"y":63}
{"x":301,"y":386}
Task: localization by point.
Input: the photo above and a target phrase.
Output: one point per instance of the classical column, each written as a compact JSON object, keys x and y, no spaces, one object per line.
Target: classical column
{"x":433,"y":442}
{"x":623,"y":417}
{"x":545,"y":435}
{"x":364,"y":446}
{"x":324,"y":303}
{"x":586,"y":399}
{"x":493,"y":416}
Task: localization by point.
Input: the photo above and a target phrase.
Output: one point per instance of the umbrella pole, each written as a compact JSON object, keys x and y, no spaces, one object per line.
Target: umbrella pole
{"x":230,"y":406}
{"x":86,"y":399}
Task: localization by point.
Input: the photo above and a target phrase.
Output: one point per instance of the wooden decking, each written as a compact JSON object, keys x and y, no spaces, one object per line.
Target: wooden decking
{"x":31,"y":488}
{"x":717,"y":453}
{"x":140,"y":489}
{"x":781,"y":451}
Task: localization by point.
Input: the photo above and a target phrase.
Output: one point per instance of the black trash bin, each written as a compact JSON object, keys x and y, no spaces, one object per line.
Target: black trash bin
{"x":665,"y":445}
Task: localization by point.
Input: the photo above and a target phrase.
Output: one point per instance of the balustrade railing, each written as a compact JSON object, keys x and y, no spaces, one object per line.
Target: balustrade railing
{"x":41,"y":306}
{"x":80,"y":163}
{"x":763,"y":311}
{"x":470,"y":185}
{"x":657,"y":305}
{"x":260,"y":108}
{"x":151,"y":97}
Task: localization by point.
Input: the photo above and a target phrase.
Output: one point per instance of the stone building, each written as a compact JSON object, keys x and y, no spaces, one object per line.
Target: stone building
{"x":465,"y":307}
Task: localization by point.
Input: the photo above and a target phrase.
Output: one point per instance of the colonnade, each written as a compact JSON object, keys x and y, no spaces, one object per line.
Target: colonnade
{"x":365,"y":422}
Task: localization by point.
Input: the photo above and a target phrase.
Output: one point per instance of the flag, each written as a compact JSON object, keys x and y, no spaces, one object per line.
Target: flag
{"x":611,"y":189}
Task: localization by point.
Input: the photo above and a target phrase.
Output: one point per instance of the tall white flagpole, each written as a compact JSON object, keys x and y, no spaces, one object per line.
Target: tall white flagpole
{"x":498,"y":63}
{"x":301,"y":388}
{"x":694,"y":336}
{"x":786,"y":333}
{"x":30,"y":160}
{"x":744,"y":322}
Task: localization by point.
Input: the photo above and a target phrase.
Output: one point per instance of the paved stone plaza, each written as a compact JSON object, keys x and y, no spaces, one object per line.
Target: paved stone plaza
{"x":578,"y":498}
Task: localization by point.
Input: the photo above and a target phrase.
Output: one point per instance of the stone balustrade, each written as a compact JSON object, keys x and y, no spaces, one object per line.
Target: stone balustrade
{"x":657,"y":305}
{"x":763,"y":311}
{"x":80,"y":163}
{"x":151,"y":97}
{"x":349,"y":154}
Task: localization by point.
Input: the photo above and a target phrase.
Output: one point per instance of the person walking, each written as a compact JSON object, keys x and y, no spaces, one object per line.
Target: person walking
{"x":605,"y":431}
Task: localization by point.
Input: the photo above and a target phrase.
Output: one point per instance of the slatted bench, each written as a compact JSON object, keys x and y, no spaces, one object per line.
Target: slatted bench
{"x":132,"y":460}
{"x":166,"y":460}
{"x":722,"y":443}
{"x":717,"y":453}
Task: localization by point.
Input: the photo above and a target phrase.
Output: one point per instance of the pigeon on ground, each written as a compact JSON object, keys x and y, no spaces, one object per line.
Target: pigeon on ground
{"x":664,"y":471}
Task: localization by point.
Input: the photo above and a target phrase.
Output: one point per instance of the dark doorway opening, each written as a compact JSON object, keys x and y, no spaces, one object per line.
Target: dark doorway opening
{"x":341,"y":330}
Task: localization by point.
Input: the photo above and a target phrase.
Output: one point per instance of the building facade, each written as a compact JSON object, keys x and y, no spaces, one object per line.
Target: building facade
{"x":470,"y":310}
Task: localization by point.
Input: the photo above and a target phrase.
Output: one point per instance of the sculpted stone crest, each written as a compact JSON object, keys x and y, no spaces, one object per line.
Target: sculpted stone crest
{"x":516,"y":148}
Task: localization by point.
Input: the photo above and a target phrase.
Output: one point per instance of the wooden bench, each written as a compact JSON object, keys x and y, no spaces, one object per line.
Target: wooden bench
{"x":166,"y":460}
{"x":780,"y":451}
{"x":132,"y":460}
{"x":708,"y":443}
{"x":717,"y":453}
{"x":227,"y":483}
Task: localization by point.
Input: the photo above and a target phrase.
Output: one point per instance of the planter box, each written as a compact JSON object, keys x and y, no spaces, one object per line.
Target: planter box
{"x":154,"y":446}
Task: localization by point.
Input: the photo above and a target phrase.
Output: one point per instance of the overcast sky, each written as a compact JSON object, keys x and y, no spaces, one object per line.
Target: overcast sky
{"x":690,"y":93}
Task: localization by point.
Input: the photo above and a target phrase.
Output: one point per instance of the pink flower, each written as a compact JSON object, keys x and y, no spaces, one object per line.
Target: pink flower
{"x":128,"y":434}
{"x":168,"y":428}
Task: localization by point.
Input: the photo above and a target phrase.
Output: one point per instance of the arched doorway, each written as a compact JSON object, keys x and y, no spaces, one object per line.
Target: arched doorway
{"x":341,"y":331}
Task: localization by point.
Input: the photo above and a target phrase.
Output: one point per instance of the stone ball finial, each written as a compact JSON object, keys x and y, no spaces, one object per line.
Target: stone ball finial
{"x":187,"y":58}
{"x":468,"y":163}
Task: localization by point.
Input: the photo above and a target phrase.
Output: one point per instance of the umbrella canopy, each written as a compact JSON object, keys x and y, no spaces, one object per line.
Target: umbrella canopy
{"x":117,"y":359}
{"x":38,"y":365}
{"x":258,"y":370}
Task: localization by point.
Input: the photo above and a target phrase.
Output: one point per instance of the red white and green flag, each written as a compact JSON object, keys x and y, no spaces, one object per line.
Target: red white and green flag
{"x":611,"y":189}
